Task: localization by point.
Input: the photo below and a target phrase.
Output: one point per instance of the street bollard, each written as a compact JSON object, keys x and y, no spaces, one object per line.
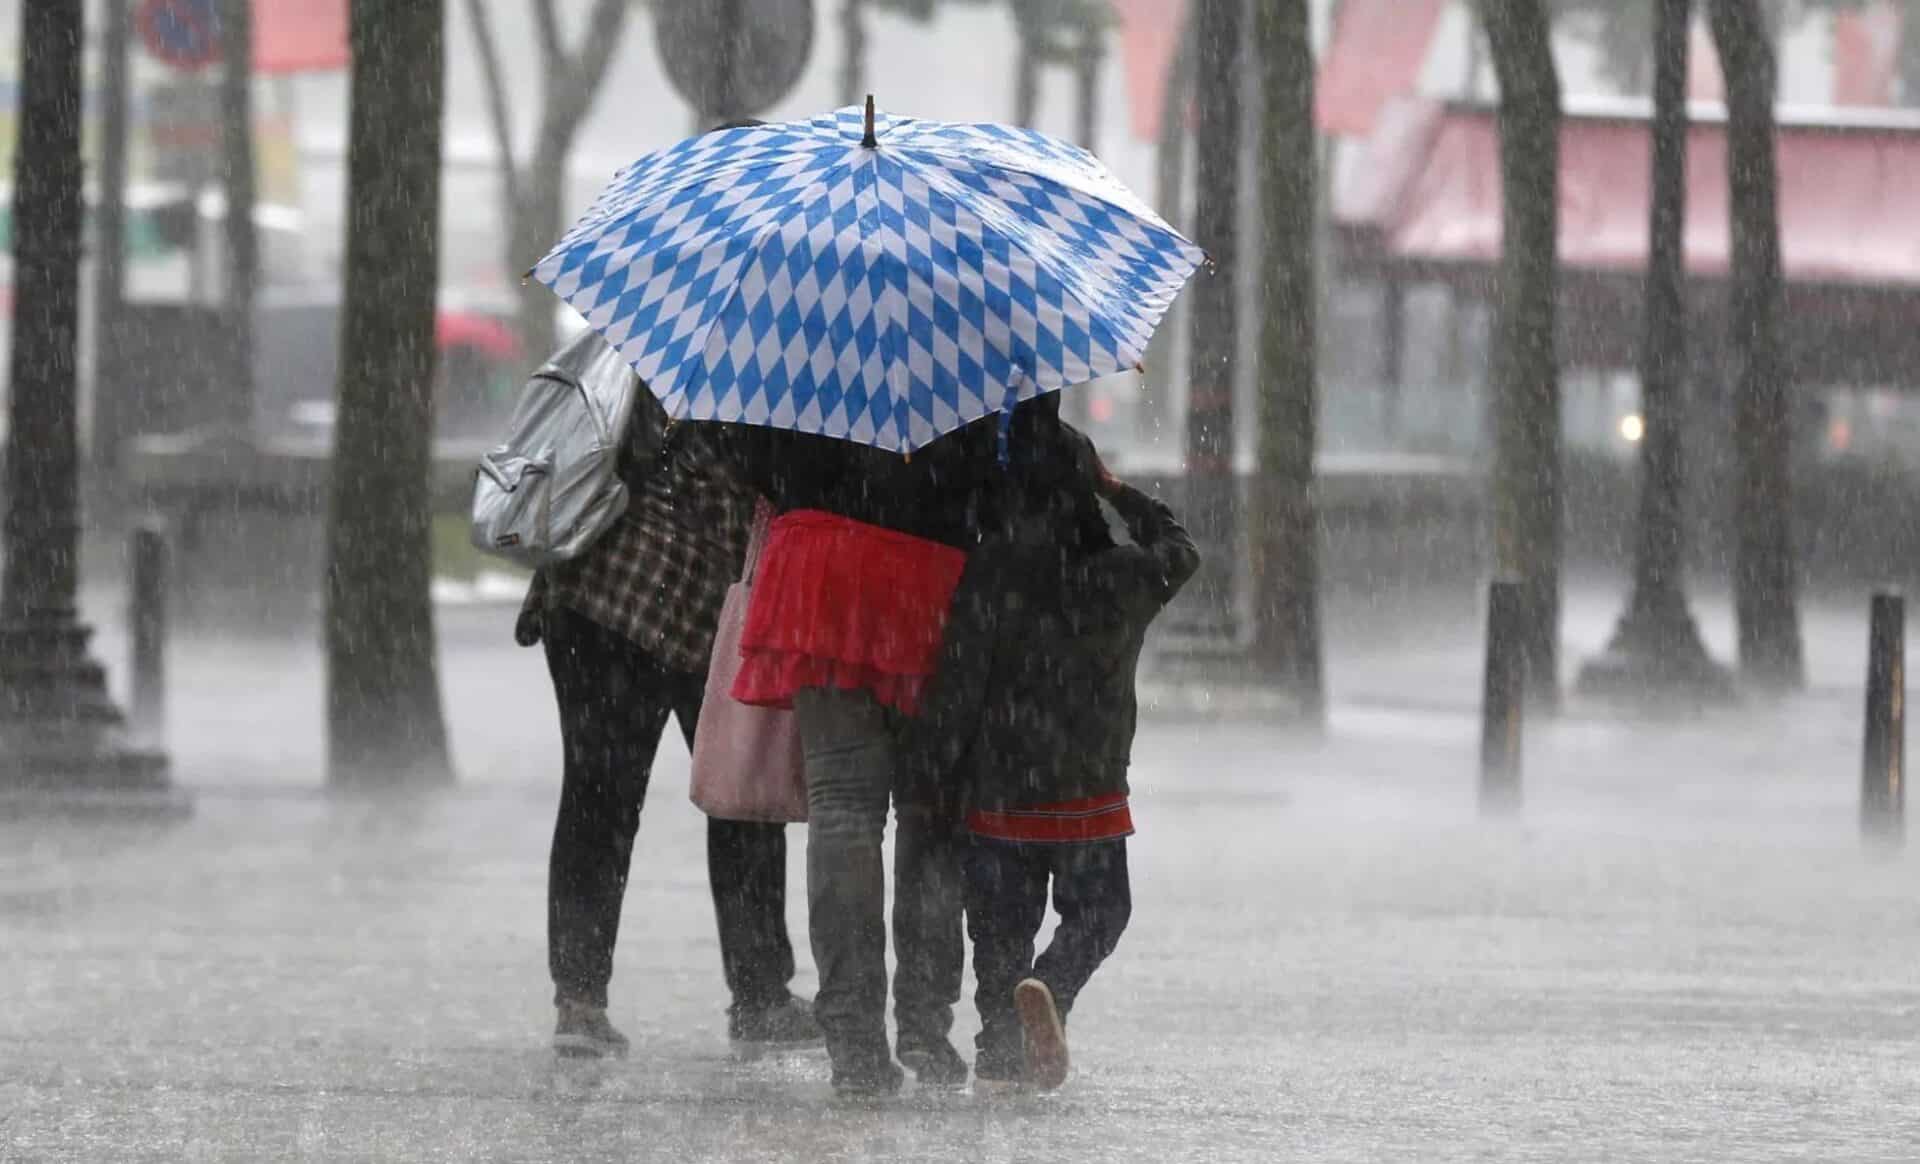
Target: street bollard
{"x":1883,"y":770}
{"x":147,"y":625}
{"x":1503,"y":701}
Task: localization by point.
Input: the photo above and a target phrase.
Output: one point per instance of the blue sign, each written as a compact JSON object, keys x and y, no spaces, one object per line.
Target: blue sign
{"x":183,"y":33}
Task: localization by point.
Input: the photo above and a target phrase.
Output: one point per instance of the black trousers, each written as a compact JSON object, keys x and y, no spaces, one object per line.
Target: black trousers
{"x":1006,"y":899}
{"x":614,"y":703}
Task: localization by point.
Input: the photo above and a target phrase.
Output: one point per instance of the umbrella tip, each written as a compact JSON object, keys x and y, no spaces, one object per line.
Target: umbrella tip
{"x":870,"y":141}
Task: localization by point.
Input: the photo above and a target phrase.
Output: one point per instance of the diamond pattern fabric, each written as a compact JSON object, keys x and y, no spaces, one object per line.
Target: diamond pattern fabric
{"x":785,"y":275}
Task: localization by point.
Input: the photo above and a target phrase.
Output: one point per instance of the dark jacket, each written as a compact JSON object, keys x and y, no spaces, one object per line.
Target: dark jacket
{"x":1033,"y":702}
{"x":933,"y":494}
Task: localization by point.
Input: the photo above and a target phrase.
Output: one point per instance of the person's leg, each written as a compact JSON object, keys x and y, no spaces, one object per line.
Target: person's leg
{"x":747,"y":874}
{"x":1005,"y":889}
{"x":1094,"y":898}
{"x":849,"y":758}
{"x":928,"y":943}
{"x":613,"y":708}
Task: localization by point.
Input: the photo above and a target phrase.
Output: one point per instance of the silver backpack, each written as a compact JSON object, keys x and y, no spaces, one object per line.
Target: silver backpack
{"x":553,"y":486}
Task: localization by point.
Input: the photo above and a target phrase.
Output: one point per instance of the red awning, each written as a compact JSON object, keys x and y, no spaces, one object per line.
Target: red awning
{"x":1377,"y":52}
{"x":299,"y":36}
{"x":1427,"y":192}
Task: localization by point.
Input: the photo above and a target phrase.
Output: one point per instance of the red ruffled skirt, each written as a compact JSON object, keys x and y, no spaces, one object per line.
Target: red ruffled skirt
{"x":842,"y":604}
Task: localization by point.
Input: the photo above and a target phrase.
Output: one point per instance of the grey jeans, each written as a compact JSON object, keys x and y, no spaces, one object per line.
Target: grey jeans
{"x":851,"y":776}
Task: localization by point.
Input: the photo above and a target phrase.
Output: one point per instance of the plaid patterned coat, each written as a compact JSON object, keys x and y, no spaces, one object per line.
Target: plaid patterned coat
{"x":659,"y":575}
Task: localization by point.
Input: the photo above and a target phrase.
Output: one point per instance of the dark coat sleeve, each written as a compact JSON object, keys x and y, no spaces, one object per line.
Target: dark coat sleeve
{"x":1166,"y":557}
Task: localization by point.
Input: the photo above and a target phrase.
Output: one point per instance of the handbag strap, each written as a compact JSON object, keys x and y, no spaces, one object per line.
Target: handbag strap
{"x":756,"y":538}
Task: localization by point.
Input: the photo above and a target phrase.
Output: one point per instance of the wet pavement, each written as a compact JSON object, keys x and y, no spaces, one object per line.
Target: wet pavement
{"x":1679,"y":951}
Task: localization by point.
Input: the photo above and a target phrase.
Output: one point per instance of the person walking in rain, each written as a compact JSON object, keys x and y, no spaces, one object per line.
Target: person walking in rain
{"x":1032,"y":712}
{"x":628,"y":628}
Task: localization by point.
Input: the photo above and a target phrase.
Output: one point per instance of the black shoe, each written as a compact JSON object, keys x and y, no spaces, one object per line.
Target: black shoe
{"x":583,"y":1032}
{"x":1006,"y":1071}
{"x":872,"y":1076}
{"x":788,"y":1023}
{"x":934,"y":1061}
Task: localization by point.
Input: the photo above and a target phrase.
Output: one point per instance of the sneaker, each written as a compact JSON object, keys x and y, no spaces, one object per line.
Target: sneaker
{"x":934,"y":1061}
{"x":1046,"y":1037}
{"x":789,"y":1023}
{"x":583,"y":1032}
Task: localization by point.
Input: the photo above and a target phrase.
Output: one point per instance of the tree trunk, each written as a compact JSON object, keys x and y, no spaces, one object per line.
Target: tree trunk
{"x":1076,"y":405}
{"x":242,"y":242}
{"x":536,"y":227}
{"x":384,"y":719}
{"x":853,"y":51}
{"x":60,"y":732}
{"x":533,"y":202}
{"x":42,"y":567}
{"x":1765,"y":586}
{"x":1286,"y":543}
{"x":1526,"y":384}
{"x":1156,"y":410}
{"x":1026,"y":77}
{"x":1211,"y":500}
{"x":1656,"y":650}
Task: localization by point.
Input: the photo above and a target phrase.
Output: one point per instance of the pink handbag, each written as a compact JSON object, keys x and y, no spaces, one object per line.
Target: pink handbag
{"x":747,"y":762}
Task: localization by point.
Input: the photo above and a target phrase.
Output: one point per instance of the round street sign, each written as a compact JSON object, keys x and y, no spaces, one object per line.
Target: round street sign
{"x":768,"y":41}
{"x":183,"y":33}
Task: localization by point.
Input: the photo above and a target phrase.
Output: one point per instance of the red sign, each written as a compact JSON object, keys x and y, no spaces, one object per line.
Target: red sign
{"x":183,"y":33}
{"x":299,"y":36}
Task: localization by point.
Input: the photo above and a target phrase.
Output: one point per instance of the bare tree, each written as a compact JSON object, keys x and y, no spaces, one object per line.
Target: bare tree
{"x":533,"y":193}
{"x":385,"y":726}
{"x":1766,"y":604}
{"x":1286,"y":541}
{"x":1656,"y":649}
{"x":1526,"y":377}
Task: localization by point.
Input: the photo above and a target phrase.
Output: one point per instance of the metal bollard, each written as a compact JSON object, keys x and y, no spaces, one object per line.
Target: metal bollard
{"x":1503,"y":701}
{"x":147,"y":624}
{"x":1883,"y":769}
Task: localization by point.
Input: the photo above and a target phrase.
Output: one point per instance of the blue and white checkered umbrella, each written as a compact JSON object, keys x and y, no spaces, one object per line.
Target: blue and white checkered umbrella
{"x":882,"y":286}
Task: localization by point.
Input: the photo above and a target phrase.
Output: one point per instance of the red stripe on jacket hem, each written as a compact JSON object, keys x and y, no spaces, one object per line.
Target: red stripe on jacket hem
{"x":1098,"y":818}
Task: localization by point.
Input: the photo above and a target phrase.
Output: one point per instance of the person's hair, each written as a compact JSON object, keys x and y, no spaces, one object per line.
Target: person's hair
{"x":1053,"y":476}
{"x":739,"y":123}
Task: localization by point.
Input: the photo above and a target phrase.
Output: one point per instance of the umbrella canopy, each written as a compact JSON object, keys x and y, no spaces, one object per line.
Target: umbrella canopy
{"x":879,"y":280}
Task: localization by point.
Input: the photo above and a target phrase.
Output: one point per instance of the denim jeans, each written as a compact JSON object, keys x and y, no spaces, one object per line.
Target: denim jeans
{"x":1006,"y":900}
{"x":614,"y":703}
{"x":929,"y":947}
